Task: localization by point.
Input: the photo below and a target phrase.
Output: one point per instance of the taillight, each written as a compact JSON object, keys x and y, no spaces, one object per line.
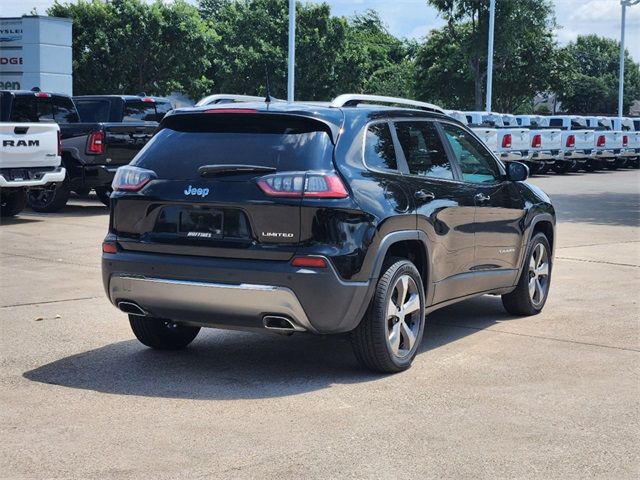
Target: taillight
{"x":43,"y":94}
{"x":506,"y":141}
{"x":601,"y":141}
{"x":109,"y":247}
{"x":131,"y":178}
{"x":571,"y":141}
{"x":59,"y":144}
{"x":148,"y":100}
{"x":536,"y":141}
{"x":95,"y":143}
{"x":625,"y":140}
{"x":309,"y":262}
{"x":303,"y":184}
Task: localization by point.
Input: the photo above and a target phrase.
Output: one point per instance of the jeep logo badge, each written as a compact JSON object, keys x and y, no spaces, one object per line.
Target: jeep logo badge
{"x":202,"y":192}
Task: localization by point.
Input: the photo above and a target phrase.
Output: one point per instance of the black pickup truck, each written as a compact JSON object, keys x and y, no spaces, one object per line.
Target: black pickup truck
{"x":99,"y":134}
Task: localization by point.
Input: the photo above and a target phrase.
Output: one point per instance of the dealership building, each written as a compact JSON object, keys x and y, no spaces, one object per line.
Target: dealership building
{"x":35,"y":51}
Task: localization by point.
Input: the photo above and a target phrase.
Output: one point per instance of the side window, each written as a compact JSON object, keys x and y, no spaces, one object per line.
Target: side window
{"x":378,"y":148}
{"x":423,"y":149}
{"x":162,"y":108}
{"x":476,"y":163}
{"x":139,"y":111}
{"x":65,"y":110}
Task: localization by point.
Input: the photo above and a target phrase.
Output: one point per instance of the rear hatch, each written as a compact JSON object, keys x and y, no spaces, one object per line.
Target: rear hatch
{"x":227,"y":184}
{"x":550,"y":139}
{"x":489,"y":136}
{"x":27,"y":145}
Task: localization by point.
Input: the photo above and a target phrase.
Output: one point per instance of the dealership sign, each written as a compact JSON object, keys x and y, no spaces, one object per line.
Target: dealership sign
{"x":10,"y":31}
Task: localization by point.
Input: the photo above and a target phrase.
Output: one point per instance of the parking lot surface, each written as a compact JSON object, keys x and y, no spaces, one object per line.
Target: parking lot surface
{"x":489,"y":395}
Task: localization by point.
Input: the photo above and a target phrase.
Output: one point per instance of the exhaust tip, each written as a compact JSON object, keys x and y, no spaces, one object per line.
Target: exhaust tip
{"x":280,"y":324}
{"x":132,"y":308}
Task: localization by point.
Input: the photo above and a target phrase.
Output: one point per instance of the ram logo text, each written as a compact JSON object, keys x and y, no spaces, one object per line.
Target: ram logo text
{"x":21,"y":143}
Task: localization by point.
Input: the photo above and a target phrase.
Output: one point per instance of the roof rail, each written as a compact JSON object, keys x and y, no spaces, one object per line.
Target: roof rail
{"x":228,"y":98}
{"x":354,"y":99}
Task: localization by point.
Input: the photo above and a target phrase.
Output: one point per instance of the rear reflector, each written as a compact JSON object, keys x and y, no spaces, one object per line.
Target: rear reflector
{"x":571,"y":141}
{"x":303,"y":184}
{"x":109,"y":247}
{"x":95,"y":143}
{"x":231,"y":110}
{"x":309,"y":262}
{"x":506,"y":141}
{"x":59,"y":144}
{"x":536,"y":141}
{"x":602,"y":141}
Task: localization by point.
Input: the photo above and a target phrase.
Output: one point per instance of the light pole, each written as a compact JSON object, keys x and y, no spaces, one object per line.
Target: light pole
{"x":625,"y":4}
{"x":292,"y":50}
{"x":492,"y":19}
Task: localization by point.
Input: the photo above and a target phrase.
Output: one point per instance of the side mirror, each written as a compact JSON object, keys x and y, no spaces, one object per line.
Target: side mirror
{"x":517,"y":172}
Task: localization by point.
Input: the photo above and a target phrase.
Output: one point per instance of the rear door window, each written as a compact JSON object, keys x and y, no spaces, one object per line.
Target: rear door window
{"x":139,"y":111}
{"x":423,"y":149}
{"x":379,"y":152}
{"x":94,"y":111}
{"x":64,"y":111}
{"x":282,"y":142}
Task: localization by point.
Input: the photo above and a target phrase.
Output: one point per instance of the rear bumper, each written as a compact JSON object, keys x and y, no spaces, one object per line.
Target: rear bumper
{"x":515,"y":155}
{"x":609,"y":155}
{"x":42,"y":179}
{"x":546,"y":156}
{"x":578,"y":155}
{"x":629,"y":152}
{"x":235,"y":294}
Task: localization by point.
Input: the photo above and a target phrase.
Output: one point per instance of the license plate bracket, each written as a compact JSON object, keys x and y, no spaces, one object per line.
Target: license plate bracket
{"x":204,"y":223}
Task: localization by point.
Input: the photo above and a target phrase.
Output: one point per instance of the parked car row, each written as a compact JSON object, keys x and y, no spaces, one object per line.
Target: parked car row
{"x":54,"y":144}
{"x":563,"y":143}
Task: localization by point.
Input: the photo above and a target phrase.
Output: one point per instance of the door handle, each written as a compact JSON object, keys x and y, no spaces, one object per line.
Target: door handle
{"x":481,"y":197}
{"x":424,"y":195}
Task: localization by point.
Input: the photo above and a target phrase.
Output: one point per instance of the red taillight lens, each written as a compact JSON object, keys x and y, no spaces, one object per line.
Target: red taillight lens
{"x":309,"y":262}
{"x":625,"y":140}
{"x":148,"y":100}
{"x":109,"y":247}
{"x":571,"y":141}
{"x":601,"y":141}
{"x":95,"y":143}
{"x":536,"y":142}
{"x":43,"y":94}
{"x":131,"y":179}
{"x":231,"y":110}
{"x":506,"y":141}
{"x":59,"y":144}
{"x":301,"y":184}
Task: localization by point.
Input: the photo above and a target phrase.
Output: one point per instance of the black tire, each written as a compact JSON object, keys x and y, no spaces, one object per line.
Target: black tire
{"x":562,"y":167}
{"x":12,"y":201}
{"x":49,"y":199}
{"x":104,"y":194}
{"x":371,"y":340}
{"x":520,"y":301}
{"x":162,"y":334}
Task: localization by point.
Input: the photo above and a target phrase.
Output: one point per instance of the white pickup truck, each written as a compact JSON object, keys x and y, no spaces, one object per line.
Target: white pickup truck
{"x":29,"y":158}
{"x":608,"y":141}
{"x":546,"y":143}
{"x":511,"y":141}
{"x":630,"y":127}
{"x":577,"y":141}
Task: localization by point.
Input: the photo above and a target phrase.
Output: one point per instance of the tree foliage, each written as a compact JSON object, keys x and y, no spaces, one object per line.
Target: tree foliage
{"x":128,"y":46}
{"x":590,"y":82}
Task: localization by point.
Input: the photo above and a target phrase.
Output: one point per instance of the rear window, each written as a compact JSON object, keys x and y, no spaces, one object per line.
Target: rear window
{"x":162,"y":108}
{"x":27,"y":108}
{"x":279,"y":141}
{"x":636,"y":124}
{"x":94,"y":110}
{"x":139,"y":111}
{"x":556,"y":122}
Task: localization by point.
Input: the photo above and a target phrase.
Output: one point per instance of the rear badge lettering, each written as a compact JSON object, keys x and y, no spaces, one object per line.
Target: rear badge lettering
{"x":199,"y":234}
{"x":201,"y":192}
{"x":277,"y":234}
{"x":507,"y":250}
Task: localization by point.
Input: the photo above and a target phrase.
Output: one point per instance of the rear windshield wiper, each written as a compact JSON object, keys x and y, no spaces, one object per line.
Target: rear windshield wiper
{"x":222,"y":170}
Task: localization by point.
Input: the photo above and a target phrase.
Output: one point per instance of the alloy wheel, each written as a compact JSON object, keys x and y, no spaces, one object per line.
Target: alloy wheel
{"x":538,"y":274}
{"x":403,"y":316}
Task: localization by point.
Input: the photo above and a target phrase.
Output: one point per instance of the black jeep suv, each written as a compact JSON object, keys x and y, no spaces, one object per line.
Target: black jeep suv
{"x":348,"y":216}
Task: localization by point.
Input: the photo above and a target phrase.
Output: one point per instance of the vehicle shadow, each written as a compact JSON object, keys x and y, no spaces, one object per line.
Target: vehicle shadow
{"x":18,"y":220}
{"x":75,"y":210}
{"x":234,"y":365}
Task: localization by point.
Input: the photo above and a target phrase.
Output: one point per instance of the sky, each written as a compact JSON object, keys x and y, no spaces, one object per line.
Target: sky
{"x":414,"y":18}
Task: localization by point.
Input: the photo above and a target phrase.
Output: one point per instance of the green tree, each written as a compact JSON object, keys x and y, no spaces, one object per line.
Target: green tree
{"x":129,"y":46}
{"x":525,"y":60}
{"x":590,"y":83}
